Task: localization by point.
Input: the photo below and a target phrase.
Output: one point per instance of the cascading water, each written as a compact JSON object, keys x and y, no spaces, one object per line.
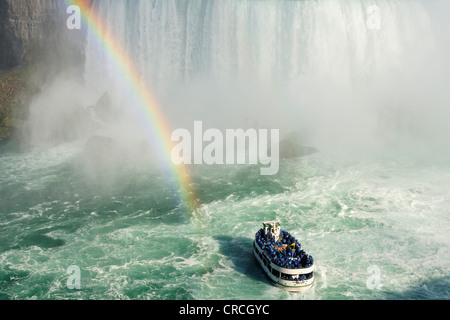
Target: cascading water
{"x":365,"y":82}
{"x":174,"y":41}
{"x":329,"y":67}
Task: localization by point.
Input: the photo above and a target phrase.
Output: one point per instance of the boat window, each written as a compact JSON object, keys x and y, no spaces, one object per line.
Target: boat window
{"x":299,"y":277}
{"x":276,"y":273}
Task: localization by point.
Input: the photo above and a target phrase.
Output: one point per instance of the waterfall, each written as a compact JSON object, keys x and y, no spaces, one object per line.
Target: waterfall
{"x":331,"y":68}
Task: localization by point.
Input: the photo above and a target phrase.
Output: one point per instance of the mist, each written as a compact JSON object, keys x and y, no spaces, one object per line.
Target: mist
{"x":314,"y":68}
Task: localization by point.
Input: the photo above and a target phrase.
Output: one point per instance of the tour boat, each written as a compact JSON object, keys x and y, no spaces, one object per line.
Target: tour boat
{"x":281,"y":258}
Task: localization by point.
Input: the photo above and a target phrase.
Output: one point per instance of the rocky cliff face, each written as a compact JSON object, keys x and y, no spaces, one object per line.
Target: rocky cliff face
{"x":29,"y":28}
{"x":35,"y":44}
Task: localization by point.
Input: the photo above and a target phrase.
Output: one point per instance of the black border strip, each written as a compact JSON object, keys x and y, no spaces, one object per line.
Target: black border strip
{"x":224,"y":309}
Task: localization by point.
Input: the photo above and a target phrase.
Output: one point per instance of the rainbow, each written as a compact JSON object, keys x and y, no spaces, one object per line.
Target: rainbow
{"x":145,"y":101}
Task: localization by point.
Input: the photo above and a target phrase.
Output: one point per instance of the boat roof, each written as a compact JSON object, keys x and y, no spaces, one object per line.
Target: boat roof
{"x":272,"y":224}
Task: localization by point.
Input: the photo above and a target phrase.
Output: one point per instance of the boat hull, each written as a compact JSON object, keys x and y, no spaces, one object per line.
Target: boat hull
{"x":273,"y":273}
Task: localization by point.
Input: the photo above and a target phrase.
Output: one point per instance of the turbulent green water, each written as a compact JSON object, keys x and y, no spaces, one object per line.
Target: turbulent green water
{"x":377,"y":227}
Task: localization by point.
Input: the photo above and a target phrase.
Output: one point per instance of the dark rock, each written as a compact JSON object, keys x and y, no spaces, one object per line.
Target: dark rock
{"x":291,"y":147}
{"x":99,"y":147}
{"x":102,"y":109}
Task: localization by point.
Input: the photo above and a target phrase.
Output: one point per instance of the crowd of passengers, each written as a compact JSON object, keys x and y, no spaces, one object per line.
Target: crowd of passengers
{"x":286,"y":252}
